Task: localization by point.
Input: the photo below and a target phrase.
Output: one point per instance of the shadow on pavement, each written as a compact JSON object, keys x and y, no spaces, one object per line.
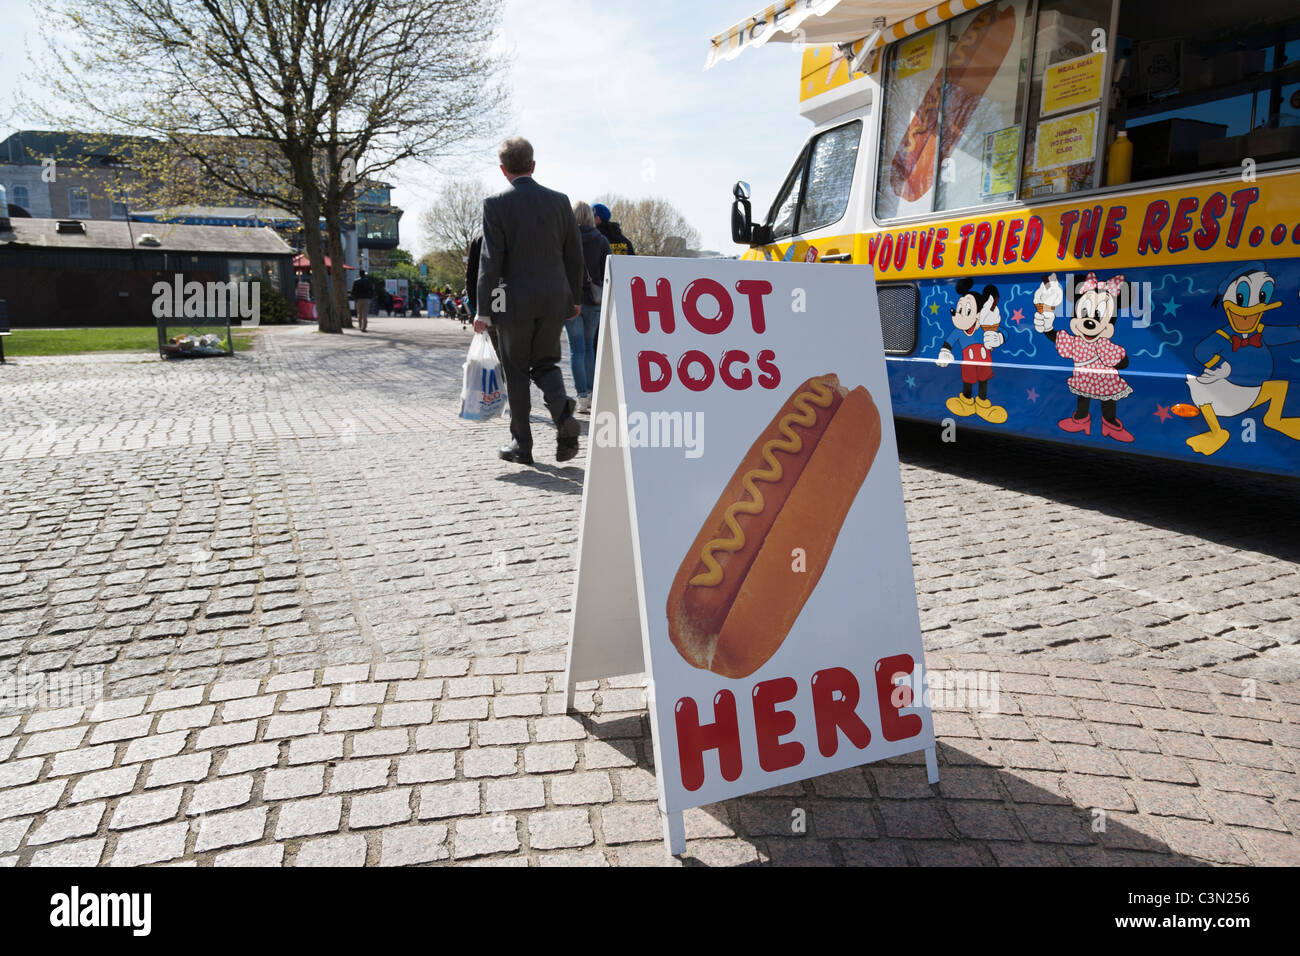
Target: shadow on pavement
{"x":886,"y":814}
{"x":1232,"y":508}
{"x":564,"y":479}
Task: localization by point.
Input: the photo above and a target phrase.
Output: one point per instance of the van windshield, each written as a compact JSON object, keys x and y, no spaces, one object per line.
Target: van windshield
{"x":816,"y":192}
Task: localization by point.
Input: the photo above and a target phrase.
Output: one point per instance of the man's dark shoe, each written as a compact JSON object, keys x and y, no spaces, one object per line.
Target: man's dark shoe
{"x":566,"y":449}
{"x":567,"y":430}
{"x":566,"y":424}
{"x":513,"y":452}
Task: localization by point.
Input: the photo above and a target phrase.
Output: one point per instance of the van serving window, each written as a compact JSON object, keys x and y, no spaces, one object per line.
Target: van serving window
{"x":1017,"y":100}
{"x":1067,"y":94}
{"x":1205,"y":87}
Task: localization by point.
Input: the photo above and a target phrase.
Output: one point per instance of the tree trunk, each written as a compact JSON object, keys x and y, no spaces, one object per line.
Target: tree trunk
{"x":327,"y":319}
{"x":338,"y":278}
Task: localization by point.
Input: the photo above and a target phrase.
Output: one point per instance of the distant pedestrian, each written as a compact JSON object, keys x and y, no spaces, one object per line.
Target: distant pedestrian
{"x":529,"y":283}
{"x":471,"y":270}
{"x":582,"y":330}
{"x":363,"y":290}
{"x":471,"y":285}
{"x":619,"y":244}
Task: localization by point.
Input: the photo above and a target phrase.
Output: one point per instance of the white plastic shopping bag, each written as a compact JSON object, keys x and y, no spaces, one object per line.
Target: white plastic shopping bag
{"x":482,"y":396}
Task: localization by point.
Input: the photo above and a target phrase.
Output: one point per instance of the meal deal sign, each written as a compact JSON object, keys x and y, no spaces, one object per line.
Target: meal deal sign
{"x":743,"y":497}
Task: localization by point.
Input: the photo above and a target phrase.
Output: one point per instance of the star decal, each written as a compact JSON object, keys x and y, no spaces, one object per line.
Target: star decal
{"x":911,"y":382}
{"x":1172,"y":307}
{"x":1162,"y":412}
{"x":934,"y":308}
{"x":1032,"y":395}
{"x":1017,"y":316}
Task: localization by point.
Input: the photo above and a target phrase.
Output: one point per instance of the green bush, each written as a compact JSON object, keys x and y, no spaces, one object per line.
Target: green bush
{"x":275,"y":308}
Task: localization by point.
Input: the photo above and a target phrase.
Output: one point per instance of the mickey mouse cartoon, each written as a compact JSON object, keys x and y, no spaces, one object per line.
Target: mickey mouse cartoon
{"x":1097,"y":360}
{"x":976,"y":315}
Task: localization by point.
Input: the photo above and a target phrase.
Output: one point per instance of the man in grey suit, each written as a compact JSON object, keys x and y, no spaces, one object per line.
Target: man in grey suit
{"x":529,"y":285}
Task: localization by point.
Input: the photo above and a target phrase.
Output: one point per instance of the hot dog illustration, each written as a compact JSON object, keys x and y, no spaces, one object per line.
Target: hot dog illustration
{"x":738,"y":591}
{"x":972,"y":65}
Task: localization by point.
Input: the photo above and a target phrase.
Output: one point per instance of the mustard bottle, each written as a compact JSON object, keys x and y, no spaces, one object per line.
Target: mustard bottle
{"x":1119,"y":160}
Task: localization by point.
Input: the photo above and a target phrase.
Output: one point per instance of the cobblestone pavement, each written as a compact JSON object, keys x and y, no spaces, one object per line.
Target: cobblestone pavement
{"x":474,"y":760}
{"x":301,"y":585}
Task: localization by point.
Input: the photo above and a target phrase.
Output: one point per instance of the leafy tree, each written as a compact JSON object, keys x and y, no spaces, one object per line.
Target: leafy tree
{"x":446,"y":267}
{"x":401,"y":265}
{"x":296,"y":104}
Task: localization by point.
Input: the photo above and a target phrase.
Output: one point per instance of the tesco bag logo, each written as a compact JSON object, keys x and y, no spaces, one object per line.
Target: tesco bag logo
{"x":489,"y":387}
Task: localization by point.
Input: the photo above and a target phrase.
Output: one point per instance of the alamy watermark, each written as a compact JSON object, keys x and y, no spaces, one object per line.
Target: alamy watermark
{"x":21,"y":691}
{"x":675,"y":429}
{"x":236,"y":299}
{"x":948,"y":690}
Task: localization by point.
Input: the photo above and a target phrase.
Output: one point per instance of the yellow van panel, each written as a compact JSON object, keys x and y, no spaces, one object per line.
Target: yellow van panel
{"x":1186,"y":223}
{"x":824,"y":69}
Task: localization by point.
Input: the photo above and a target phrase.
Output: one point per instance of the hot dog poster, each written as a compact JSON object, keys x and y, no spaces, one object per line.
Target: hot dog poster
{"x":939,"y":109}
{"x":765,"y":515}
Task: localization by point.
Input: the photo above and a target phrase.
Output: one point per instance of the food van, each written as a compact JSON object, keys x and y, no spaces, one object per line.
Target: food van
{"x":1083,"y":215}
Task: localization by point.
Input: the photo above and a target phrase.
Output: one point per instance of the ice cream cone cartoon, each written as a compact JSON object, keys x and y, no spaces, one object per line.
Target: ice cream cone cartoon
{"x":975,"y":316}
{"x":1097,"y":359}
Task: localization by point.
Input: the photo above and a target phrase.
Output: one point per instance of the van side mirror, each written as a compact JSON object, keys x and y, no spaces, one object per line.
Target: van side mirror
{"x":743,"y":229}
{"x":741,"y":225}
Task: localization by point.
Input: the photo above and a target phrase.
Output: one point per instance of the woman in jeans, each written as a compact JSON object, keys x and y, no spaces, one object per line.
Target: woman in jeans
{"x":582,"y":328}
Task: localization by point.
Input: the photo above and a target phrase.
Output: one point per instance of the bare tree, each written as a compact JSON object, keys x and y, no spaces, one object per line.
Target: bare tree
{"x":455,"y":217}
{"x":655,"y":226}
{"x":291,"y":103}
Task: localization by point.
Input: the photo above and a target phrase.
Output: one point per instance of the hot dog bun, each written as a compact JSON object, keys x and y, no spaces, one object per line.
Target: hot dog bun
{"x":732,"y":622}
{"x":751,"y":502}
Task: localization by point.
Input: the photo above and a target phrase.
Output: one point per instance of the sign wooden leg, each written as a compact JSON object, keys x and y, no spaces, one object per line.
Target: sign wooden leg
{"x":674,"y":831}
{"x":931,"y":765}
{"x":570,"y":689}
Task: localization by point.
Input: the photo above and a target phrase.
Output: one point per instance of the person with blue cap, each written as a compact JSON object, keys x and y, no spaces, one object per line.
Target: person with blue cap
{"x":619,"y":244}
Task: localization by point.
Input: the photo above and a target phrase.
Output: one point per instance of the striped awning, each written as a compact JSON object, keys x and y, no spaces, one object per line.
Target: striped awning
{"x":816,"y":22}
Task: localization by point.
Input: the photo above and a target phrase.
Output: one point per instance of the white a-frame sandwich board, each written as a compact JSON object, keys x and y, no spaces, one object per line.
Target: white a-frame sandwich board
{"x":743,"y":539}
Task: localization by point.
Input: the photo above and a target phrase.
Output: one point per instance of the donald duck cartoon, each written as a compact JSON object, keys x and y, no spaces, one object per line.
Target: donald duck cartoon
{"x":1238,"y":362}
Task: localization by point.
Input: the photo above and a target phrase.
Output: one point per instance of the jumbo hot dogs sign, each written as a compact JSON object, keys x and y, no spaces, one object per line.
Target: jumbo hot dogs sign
{"x":774,"y":574}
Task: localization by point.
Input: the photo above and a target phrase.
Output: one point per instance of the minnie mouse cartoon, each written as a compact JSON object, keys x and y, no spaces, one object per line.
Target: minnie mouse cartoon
{"x":976,"y":315}
{"x":1097,"y":360}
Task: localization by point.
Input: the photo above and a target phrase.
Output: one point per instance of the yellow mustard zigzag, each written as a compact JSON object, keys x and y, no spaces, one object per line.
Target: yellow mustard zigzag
{"x":804,"y":416}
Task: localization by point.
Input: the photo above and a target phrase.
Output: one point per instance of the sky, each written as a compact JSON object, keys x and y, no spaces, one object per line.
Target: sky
{"x":615,"y":99}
